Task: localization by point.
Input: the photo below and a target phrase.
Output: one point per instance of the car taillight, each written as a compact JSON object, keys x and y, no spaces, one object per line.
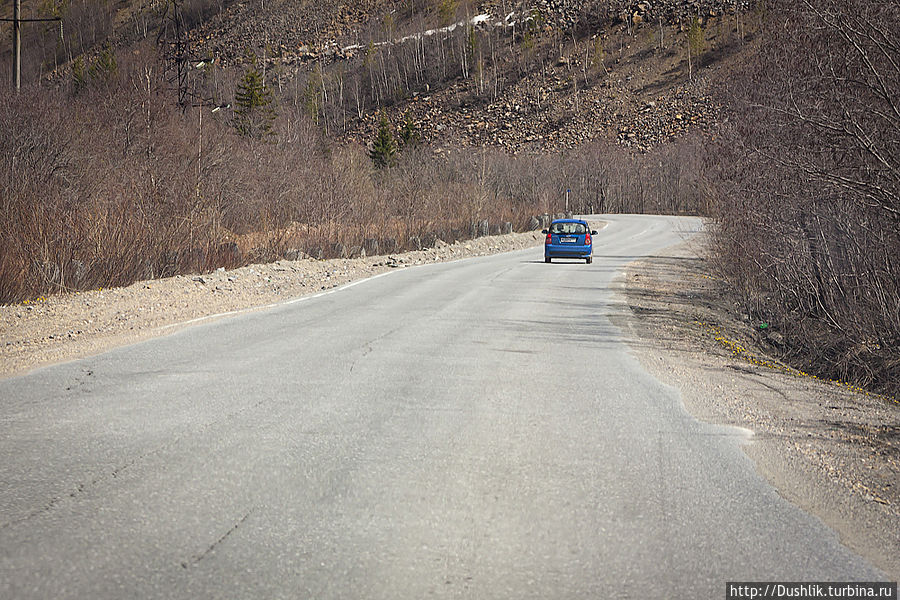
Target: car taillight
{"x":587,"y":239}
{"x":549,"y":239}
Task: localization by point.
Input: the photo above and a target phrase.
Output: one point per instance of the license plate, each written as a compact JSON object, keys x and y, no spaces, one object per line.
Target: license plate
{"x":568,"y":240}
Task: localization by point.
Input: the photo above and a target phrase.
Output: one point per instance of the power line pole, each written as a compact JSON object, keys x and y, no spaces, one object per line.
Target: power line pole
{"x":17,"y":21}
{"x":174,"y":41}
{"x":17,"y":45}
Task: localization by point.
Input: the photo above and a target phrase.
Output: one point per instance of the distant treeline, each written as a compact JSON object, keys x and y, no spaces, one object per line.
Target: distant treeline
{"x":109,"y":182}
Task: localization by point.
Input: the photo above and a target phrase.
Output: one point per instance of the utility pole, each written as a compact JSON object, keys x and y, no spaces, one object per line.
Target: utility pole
{"x":17,"y":21}
{"x":17,"y":45}
{"x":173,"y":39}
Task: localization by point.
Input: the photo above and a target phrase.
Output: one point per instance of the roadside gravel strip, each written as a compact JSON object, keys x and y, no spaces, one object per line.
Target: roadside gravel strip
{"x":832,"y":451}
{"x":70,"y":326}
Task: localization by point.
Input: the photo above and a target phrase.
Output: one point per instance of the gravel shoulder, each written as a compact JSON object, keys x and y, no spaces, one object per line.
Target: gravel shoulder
{"x":70,"y":326}
{"x":833,"y":451}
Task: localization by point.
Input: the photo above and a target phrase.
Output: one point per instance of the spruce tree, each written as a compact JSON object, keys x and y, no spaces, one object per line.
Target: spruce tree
{"x":384,"y":148}
{"x":253,"y":113}
{"x":104,"y":68}
{"x":79,"y":75}
{"x":409,"y":134}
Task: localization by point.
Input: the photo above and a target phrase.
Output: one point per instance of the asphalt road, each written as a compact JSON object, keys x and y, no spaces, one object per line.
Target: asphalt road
{"x":474,"y":429}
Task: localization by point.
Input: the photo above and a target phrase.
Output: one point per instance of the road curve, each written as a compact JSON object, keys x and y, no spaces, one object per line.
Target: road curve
{"x":472,"y":429}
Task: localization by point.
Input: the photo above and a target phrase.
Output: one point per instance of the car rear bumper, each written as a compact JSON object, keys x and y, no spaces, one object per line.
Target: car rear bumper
{"x":566,"y":251}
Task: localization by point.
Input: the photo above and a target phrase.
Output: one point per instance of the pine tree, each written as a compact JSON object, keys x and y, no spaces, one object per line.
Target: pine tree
{"x":253,"y":113}
{"x":384,"y":148}
{"x":695,"y":43}
{"x":311,"y":98}
{"x":409,"y":134}
{"x":447,"y":10}
{"x":79,"y":75}
{"x":104,"y":68}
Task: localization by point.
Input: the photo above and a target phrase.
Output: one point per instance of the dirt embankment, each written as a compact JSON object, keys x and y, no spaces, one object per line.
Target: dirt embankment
{"x":826,"y":447}
{"x":70,"y":326}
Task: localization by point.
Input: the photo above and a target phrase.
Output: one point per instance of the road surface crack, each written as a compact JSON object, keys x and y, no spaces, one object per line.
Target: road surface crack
{"x":367,"y":347}
{"x":82,"y":487}
{"x":214,"y":545}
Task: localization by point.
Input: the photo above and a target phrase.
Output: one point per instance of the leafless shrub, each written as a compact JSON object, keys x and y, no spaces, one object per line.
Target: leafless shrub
{"x":602,"y":177}
{"x":808,"y":218}
{"x":116,"y":184}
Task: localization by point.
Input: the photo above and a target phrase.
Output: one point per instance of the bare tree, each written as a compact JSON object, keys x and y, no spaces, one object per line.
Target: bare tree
{"x":809,"y":217}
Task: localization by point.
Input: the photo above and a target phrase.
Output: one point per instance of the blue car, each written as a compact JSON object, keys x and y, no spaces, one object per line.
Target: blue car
{"x":568,"y":238}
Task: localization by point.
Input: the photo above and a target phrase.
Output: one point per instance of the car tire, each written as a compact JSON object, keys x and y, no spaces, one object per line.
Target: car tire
{"x":588,"y":260}
{"x":546,"y":259}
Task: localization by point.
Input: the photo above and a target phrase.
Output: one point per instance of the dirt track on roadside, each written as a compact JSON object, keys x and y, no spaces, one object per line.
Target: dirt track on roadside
{"x":831,"y":450}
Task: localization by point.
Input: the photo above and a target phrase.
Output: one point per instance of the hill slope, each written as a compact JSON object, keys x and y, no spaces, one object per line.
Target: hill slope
{"x":537,"y":75}
{"x":524,"y":76}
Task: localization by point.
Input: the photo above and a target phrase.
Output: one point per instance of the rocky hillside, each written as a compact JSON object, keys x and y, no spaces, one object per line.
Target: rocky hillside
{"x":541,"y":74}
{"x":524,"y":75}
{"x":639,"y":102}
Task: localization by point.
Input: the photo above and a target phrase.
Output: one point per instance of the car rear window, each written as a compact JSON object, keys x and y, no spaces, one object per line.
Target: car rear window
{"x":567,"y":228}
